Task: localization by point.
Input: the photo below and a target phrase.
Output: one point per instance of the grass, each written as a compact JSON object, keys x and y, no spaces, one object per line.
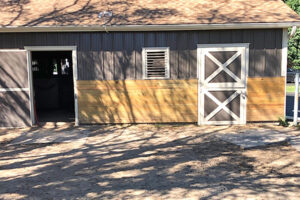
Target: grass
{"x":291,"y":88}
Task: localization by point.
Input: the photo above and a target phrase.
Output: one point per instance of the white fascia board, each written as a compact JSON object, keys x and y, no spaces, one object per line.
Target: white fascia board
{"x":148,"y":27}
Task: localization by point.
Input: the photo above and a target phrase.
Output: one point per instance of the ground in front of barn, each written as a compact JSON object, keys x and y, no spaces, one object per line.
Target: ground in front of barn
{"x":144,"y":161}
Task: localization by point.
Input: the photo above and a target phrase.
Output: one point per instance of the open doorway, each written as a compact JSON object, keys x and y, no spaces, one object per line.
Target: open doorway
{"x":53,"y":86}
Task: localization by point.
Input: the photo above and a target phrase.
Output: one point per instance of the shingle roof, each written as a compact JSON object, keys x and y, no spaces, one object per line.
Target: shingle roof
{"x":142,"y":12}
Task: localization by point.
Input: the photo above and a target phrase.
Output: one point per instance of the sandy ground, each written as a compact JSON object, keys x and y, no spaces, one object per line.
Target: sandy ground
{"x":148,"y":162}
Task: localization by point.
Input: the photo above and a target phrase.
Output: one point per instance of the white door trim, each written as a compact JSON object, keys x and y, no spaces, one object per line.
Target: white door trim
{"x":31,"y":93}
{"x":240,"y":88}
{"x":75,"y":73}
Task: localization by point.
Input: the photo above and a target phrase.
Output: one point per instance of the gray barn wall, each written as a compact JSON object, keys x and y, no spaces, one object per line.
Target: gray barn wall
{"x":14,"y":105}
{"x":117,"y":55}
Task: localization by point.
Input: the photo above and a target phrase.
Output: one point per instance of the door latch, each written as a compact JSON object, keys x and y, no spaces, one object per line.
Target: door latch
{"x":244,"y":94}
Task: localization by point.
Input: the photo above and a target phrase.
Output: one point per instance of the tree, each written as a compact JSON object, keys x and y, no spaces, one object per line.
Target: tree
{"x":294,"y":43}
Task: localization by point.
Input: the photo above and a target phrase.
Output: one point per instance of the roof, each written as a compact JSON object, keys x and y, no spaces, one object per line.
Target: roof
{"x":41,"y":13}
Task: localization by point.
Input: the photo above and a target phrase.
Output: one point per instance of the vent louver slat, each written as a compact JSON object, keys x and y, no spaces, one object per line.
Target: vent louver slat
{"x":156,"y":64}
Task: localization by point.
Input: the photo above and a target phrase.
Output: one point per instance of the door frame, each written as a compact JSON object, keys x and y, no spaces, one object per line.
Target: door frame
{"x":200,"y":86}
{"x":73,"y":49}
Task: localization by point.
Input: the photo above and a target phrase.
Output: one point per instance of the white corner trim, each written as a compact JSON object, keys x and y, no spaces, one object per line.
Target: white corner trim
{"x":284,"y":59}
{"x":170,"y":27}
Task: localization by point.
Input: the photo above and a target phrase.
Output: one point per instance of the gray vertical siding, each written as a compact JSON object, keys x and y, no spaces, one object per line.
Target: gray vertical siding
{"x":117,"y":55}
{"x":10,"y":63}
{"x":14,"y":105}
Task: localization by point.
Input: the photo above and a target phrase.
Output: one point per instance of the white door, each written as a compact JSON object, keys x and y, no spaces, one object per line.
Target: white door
{"x":222,"y":72}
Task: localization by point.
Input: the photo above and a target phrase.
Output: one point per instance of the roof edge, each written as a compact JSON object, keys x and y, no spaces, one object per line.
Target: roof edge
{"x":147,"y":27}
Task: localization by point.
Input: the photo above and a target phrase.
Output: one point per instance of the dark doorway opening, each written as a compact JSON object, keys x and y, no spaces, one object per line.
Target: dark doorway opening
{"x":53,"y":85}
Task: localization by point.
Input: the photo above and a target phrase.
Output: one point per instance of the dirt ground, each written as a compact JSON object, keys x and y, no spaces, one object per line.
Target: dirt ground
{"x":148,"y":162}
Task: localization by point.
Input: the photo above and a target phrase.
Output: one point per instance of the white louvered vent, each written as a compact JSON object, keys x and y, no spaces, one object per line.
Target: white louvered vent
{"x":156,"y":63}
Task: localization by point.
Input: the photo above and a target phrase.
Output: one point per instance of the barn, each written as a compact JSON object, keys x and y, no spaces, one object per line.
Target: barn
{"x":143,"y":61}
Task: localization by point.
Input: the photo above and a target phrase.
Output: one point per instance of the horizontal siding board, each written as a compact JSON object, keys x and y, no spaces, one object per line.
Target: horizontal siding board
{"x":137,"y":101}
{"x":266,"y":98}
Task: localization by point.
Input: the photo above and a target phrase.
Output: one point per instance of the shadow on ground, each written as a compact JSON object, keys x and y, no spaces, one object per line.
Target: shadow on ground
{"x":167,"y":162}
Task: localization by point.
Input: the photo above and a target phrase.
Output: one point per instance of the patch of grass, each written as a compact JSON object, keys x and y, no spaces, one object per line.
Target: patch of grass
{"x":291,"y":88}
{"x":283,"y":122}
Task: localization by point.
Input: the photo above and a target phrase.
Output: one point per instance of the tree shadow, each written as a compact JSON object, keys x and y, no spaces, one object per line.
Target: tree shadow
{"x":14,"y":104}
{"x":85,"y":12}
{"x":114,"y":163}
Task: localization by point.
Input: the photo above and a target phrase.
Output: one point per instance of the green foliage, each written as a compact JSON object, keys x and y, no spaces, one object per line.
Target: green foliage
{"x":294,"y":50}
{"x":294,"y":4}
{"x":294,"y":43}
{"x":283,"y":122}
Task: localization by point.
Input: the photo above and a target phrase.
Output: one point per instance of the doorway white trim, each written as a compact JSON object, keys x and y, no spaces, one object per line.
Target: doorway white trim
{"x":75,"y":74}
{"x":240,"y":87}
